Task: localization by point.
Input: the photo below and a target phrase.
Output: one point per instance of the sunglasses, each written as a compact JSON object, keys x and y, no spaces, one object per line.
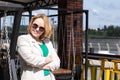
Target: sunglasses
{"x":35,"y":26}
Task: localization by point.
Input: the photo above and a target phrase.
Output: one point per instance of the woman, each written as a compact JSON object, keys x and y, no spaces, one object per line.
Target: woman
{"x":37,"y":54}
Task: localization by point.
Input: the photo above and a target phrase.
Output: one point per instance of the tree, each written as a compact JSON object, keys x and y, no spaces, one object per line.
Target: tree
{"x":110,"y":30}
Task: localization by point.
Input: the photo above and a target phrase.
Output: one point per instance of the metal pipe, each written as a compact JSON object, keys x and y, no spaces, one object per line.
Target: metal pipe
{"x":86,"y":46}
{"x":15,"y":33}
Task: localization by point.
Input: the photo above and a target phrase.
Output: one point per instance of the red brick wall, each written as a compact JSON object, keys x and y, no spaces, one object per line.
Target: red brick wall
{"x":66,"y":24}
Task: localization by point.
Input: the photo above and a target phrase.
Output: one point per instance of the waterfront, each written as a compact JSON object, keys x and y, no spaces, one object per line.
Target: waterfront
{"x":110,"y":45}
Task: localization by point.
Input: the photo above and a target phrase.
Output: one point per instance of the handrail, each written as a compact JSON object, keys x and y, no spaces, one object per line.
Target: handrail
{"x":99,"y":56}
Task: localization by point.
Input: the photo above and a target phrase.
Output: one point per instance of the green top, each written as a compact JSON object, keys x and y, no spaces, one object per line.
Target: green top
{"x":45,"y":54}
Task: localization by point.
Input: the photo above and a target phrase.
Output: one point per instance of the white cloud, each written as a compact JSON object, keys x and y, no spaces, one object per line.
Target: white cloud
{"x":103,"y":12}
{"x":95,"y":11}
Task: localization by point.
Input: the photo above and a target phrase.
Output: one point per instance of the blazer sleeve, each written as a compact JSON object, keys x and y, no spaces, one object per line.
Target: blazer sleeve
{"x":25,"y":51}
{"x":55,"y":64}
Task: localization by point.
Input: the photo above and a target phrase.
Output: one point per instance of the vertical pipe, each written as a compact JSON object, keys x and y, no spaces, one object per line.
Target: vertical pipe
{"x":15,"y":33}
{"x":30,"y":13}
{"x":0,"y":23}
{"x":69,"y":52}
{"x":86,"y":46}
{"x":74,"y":54}
{"x":13,"y":43}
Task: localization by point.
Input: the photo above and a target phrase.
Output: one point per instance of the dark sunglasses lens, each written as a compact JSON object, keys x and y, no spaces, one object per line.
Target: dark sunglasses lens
{"x":41,"y":28}
{"x":34,"y":26}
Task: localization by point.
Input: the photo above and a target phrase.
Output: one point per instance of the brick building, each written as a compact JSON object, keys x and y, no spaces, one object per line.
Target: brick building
{"x":69,"y":31}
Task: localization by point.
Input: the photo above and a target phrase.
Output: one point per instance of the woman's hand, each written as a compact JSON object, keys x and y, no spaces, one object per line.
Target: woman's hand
{"x":46,"y":67}
{"x":48,"y":59}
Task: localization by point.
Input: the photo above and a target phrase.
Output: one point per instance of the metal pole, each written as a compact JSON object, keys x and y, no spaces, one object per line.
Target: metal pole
{"x":13,"y":43}
{"x":0,"y":23}
{"x":15,"y":32}
{"x":30,"y":13}
{"x":86,"y":46}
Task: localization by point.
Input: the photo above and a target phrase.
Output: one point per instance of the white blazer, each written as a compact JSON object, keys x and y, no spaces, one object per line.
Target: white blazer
{"x":32,"y":56}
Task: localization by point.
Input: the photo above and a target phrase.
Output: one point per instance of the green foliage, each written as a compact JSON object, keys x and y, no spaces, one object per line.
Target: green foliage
{"x":107,"y":32}
{"x":23,"y":28}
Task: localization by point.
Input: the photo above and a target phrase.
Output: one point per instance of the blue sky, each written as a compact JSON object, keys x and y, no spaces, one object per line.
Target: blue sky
{"x":48,"y":12}
{"x":103,"y":12}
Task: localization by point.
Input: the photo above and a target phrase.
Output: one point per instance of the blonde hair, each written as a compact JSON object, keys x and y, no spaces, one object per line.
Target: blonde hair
{"x":47,"y":25}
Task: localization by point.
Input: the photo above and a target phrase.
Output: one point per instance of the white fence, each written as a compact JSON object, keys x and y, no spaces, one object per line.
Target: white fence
{"x":111,"y":45}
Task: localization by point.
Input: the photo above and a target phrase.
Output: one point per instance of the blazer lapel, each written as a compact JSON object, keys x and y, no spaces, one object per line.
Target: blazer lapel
{"x":35,"y":44}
